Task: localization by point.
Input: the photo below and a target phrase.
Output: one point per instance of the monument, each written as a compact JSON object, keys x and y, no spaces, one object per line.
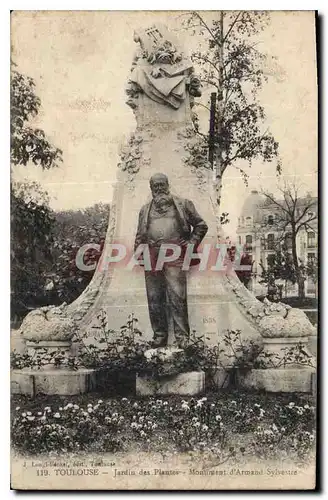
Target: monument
{"x":161,"y":89}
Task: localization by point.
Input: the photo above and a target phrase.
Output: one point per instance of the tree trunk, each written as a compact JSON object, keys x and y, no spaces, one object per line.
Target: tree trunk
{"x":218,"y":152}
{"x":217,"y":206}
{"x":301,"y":287}
{"x":298,"y":272}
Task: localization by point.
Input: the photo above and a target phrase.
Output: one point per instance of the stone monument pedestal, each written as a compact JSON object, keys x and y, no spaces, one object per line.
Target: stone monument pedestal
{"x":291,"y":377}
{"x":279,"y":379}
{"x":184,"y":384}
{"x":53,"y":381}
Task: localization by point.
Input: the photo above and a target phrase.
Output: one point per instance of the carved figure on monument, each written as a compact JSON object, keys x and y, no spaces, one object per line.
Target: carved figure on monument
{"x":170,"y":220}
{"x":161,"y":70}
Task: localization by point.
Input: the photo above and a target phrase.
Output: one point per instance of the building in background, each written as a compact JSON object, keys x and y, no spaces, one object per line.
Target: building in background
{"x":259,"y":232}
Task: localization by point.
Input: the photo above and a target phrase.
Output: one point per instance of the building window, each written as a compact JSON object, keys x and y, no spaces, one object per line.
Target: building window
{"x":270,"y":242}
{"x":270,"y":220}
{"x":311,"y":258}
{"x":249,"y":241}
{"x":271,"y":259}
{"x":239,"y":240}
{"x":288,"y":241}
{"x":248,"y":221}
{"x":311,"y":239}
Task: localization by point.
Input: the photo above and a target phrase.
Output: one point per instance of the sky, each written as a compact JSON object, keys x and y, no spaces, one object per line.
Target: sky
{"x":80,"y":62}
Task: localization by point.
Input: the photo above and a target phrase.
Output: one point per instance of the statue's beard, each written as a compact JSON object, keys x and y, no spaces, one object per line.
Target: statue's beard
{"x":162,"y":200}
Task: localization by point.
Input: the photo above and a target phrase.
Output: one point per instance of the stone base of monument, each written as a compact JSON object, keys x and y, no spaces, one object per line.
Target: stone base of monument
{"x":55,"y":381}
{"x":313,"y":345}
{"x":278,"y":379}
{"x":185,"y":384}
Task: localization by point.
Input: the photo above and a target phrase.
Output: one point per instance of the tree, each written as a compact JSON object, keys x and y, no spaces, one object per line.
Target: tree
{"x":312,"y":271}
{"x":292,"y":213}
{"x":28,"y":144}
{"x":232,"y":66}
{"x":72,"y":230}
{"x":31,"y":217}
{"x":280,"y":267}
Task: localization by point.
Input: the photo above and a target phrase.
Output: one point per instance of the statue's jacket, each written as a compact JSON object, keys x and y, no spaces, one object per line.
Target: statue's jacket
{"x":193,"y":226}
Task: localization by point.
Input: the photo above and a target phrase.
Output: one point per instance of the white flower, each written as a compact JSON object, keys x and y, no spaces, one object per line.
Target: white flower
{"x":17,"y":408}
{"x":43,"y":418}
{"x":135,"y":405}
{"x":133,"y":425}
{"x":76,"y":407}
{"x":204,"y":399}
{"x":291,"y":405}
{"x":205,"y":427}
{"x":142,"y":433}
{"x":185,"y":406}
{"x":70,"y":405}
{"x":212,"y":404}
{"x":30,"y":418}
{"x":123,"y":399}
{"x":28,"y":413}
{"x":305,"y":406}
{"x":89,"y":405}
{"x":24,"y":414}
{"x":194,"y":419}
{"x":57,"y":415}
{"x":165,"y":403}
{"x":197,"y":424}
{"x":90,"y":410}
{"x":218,"y":417}
{"x":115,"y":415}
{"x":60,"y":408}
{"x":47,"y":408}
{"x":181,"y":432}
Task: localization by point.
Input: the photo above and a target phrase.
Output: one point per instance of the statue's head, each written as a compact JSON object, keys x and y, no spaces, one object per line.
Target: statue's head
{"x":160,"y":189}
{"x":159,"y":183}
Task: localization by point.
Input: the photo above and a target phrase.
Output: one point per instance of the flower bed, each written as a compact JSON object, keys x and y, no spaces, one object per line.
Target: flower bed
{"x":226,"y":425}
